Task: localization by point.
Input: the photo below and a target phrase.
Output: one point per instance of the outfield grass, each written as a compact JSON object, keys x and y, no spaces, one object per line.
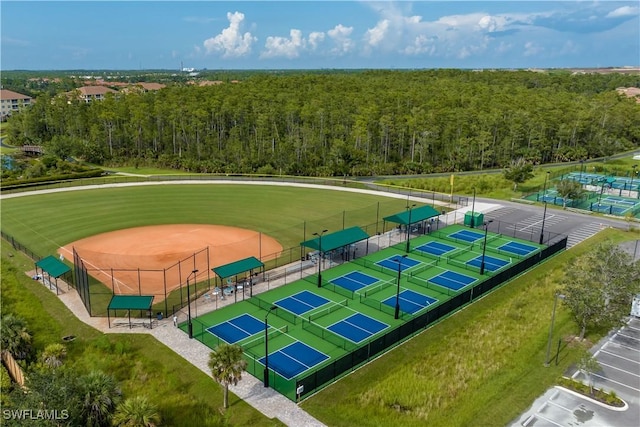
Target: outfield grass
{"x":483,"y":366}
{"x":48,"y":221}
{"x":142,"y":365}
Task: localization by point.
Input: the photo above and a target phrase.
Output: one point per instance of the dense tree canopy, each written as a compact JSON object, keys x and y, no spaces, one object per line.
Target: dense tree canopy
{"x":365,"y":123}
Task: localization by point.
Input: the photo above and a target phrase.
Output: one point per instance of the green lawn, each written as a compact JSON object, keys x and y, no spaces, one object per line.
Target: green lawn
{"x":288,"y":214}
{"x":482,"y":367}
{"x":142,"y":365}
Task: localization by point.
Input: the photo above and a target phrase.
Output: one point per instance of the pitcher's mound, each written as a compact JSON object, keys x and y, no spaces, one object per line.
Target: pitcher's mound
{"x":155,"y":260}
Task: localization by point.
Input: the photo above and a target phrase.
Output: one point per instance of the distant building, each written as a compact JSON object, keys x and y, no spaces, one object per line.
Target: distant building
{"x":92,"y":93}
{"x":12,"y":101}
{"x":148,"y":87}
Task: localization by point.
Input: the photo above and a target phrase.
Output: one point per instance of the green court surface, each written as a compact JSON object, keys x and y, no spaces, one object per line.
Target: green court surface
{"x":317,"y":334}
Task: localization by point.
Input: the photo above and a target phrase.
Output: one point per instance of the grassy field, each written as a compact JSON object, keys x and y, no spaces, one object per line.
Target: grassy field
{"x":49,"y":221}
{"x":142,"y":365}
{"x":482,"y":367}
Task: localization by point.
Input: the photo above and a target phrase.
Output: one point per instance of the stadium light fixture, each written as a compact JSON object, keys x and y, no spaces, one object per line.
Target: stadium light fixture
{"x":189,"y":324}
{"x":398,"y":260}
{"x":553,"y":318}
{"x":484,"y":246}
{"x":409,"y":225}
{"x":321,"y":257}
{"x":266,"y":347}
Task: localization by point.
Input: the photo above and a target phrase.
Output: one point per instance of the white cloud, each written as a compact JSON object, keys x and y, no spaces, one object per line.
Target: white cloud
{"x":315,"y":38}
{"x":340,"y":35}
{"x":624,"y":11}
{"x":231,"y":42}
{"x":284,"y":47}
{"x":374,"y":36}
{"x":14,"y":42}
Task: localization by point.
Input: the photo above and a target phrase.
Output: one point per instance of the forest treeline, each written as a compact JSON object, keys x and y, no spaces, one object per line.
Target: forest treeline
{"x":335,"y":124}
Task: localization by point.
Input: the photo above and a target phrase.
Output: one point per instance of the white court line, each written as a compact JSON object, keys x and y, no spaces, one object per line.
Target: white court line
{"x":547,"y":218}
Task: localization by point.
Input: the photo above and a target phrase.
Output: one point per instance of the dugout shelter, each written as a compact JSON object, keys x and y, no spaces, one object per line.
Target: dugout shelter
{"x":233,"y":269}
{"x":132,"y":302}
{"x":51,"y":268}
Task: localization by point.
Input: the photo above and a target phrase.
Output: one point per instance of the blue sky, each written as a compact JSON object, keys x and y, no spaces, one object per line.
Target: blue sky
{"x":318,"y":34}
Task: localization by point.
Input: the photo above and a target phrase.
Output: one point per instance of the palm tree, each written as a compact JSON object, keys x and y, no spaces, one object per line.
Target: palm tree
{"x":15,"y":337}
{"x":99,"y":395}
{"x":226,"y":363}
{"x":53,"y":355}
{"x":136,"y":412}
{"x":569,"y":189}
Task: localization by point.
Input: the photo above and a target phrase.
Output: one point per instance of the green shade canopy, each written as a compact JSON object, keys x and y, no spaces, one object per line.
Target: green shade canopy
{"x":131,"y":302}
{"x":417,"y":215}
{"x":336,"y":240}
{"x":52,"y":266}
{"x":237,"y":267}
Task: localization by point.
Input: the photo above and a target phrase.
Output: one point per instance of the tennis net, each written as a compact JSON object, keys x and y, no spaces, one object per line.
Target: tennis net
{"x":273,"y":333}
{"x":280,"y":312}
{"x":377,"y":288}
{"x":327,"y":335}
{"x":327,"y":310}
{"x":428,"y":285}
{"x":424,"y":266}
{"x":373,"y":266}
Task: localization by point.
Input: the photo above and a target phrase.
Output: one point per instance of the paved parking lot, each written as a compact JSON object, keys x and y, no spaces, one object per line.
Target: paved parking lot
{"x":619,"y":358}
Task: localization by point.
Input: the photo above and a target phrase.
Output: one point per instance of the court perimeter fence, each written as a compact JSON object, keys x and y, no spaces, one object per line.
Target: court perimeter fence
{"x":306,"y":384}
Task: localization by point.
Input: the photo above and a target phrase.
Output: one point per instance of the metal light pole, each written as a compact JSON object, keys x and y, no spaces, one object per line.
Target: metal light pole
{"x":633,"y":172}
{"x":409,"y":225}
{"x":581,"y":164}
{"x":484,"y":246}
{"x":553,"y":318}
{"x":189,"y":324}
{"x":398,"y":260}
{"x":473,"y":208}
{"x":544,"y":191}
{"x":266,"y":347}
{"x":544,"y":216}
{"x":320,"y":258}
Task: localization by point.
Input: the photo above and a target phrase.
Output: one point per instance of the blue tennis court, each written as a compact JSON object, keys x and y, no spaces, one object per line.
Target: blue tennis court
{"x":517,"y":248}
{"x":237,"y":329}
{"x":301,"y":302}
{"x":357,"y":327}
{"x":294,"y":359}
{"x":355,"y":281}
{"x":435,"y":248}
{"x":392,"y":263}
{"x":490,"y":263}
{"x":452,"y":280}
{"x":466,"y":235}
{"x":410,"y":301}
